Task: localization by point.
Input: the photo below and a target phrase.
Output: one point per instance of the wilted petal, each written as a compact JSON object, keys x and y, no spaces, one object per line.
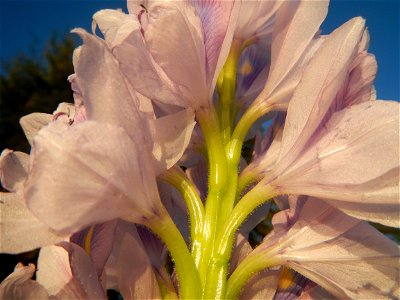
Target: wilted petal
{"x":87,"y":174}
{"x":172,"y":135}
{"x":21,"y":231}
{"x":344,"y":255}
{"x":321,"y":80}
{"x":356,"y":160}
{"x":32,"y":123}
{"x":68,"y":273}
{"x":14,"y":168}
{"x":18,"y":285}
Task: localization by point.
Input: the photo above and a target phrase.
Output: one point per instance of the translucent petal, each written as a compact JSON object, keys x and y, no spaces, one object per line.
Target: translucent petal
{"x":21,"y":231}
{"x":89,"y":173}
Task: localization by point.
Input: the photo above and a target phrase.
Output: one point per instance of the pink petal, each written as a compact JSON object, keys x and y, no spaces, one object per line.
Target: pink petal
{"x":321,"y":81}
{"x":124,"y":37}
{"x":115,"y":25}
{"x":172,"y":135}
{"x":261,"y":286}
{"x":256,"y":19}
{"x":14,"y":168}
{"x":347,"y":163}
{"x":345,"y":256}
{"x":137,"y":279}
{"x":32,"y":123}
{"x":101,"y":242}
{"x":175,"y":31}
{"x":18,"y":285}
{"x":108,"y":97}
{"x":240,"y":250}
{"x":67,"y":273}
{"x":70,"y":189}
{"x":21,"y":231}
{"x":295,"y":26}
{"x":218,"y":19}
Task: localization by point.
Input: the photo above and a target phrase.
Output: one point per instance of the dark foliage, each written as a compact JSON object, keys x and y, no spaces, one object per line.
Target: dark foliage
{"x":28,"y":85}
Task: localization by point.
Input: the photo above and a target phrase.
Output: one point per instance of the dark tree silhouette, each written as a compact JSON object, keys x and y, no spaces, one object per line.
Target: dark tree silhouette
{"x":28,"y":85}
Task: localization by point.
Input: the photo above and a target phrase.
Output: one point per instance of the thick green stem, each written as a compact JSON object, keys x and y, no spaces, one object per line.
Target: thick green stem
{"x":216,"y":278}
{"x":257,"y":196}
{"x":246,"y":269}
{"x":209,"y":124}
{"x":178,"y":179}
{"x":188,"y":277}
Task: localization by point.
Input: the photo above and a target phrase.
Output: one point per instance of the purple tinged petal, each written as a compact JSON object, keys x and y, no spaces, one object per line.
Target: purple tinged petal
{"x":136,"y":276}
{"x":101,"y":239}
{"x":240,"y":250}
{"x":218,"y":20}
{"x":70,"y":189}
{"x":21,"y":231}
{"x":68,"y":273}
{"x":198,"y":174}
{"x":14,"y":169}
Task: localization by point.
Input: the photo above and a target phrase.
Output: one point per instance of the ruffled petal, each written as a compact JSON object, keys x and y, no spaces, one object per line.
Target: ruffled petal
{"x":18,"y":285}
{"x":124,"y":37}
{"x":14,"y":169}
{"x":87,"y":174}
{"x":32,"y":123}
{"x":175,"y":31}
{"x":108,"y":97}
{"x":21,"y":231}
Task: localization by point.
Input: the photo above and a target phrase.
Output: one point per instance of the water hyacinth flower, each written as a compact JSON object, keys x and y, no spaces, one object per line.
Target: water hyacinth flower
{"x":121,"y":191}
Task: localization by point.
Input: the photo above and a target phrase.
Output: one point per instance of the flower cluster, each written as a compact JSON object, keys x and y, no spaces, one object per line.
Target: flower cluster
{"x":147,"y":163}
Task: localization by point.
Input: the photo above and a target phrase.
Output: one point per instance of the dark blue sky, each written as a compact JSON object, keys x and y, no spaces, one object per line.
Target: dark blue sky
{"x":27,"y":25}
